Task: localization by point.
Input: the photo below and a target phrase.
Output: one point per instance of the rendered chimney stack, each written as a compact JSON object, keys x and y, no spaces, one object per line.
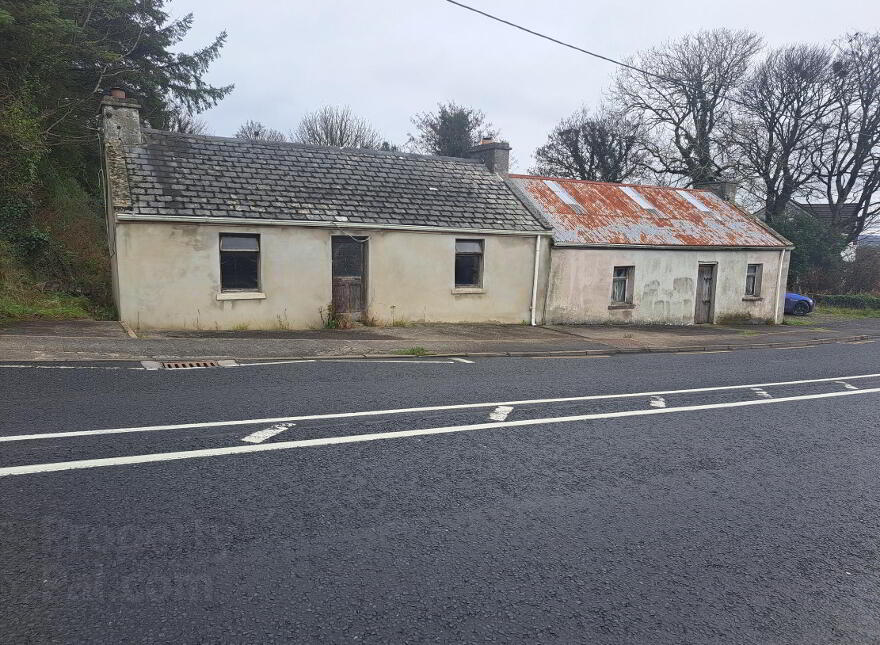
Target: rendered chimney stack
{"x":121,"y":118}
{"x":494,"y":155}
{"x":724,"y":187}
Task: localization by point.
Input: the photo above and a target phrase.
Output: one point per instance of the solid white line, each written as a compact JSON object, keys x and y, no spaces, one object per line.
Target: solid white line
{"x":71,"y":367}
{"x":462,"y":360}
{"x":431,"y":408}
{"x":500,"y":413}
{"x":658,"y":402}
{"x":327,"y":441}
{"x":261,"y":435}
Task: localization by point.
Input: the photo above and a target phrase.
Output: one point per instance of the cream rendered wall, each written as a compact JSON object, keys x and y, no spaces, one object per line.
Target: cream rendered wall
{"x":412,"y":277}
{"x":169,"y":277}
{"x":664,"y":285}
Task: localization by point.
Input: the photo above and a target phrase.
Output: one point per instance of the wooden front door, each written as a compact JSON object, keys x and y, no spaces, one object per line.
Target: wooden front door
{"x":349,"y":281}
{"x":705,"y":293}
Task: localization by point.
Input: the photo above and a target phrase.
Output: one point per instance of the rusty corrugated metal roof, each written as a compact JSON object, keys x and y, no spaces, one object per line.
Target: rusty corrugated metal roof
{"x":604,"y":214}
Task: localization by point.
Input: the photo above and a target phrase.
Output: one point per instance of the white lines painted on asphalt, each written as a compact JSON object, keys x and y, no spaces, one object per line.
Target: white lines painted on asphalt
{"x":848,"y":386}
{"x":657,"y":402}
{"x":462,"y":360}
{"x":762,"y":392}
{"x":71,"y":367}
{"x":500,"y":413}
{"x":261,"y":435}
{"x":329,"y":441}
{"x":431,"y":408}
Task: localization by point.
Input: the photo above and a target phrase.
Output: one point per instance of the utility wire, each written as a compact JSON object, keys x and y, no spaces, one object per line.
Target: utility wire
{"x":565,"y":44}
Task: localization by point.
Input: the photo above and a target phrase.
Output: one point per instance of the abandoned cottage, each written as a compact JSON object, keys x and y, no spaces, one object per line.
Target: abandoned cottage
{"x":218,"y":233}
{"x":656,"y":255}
{"x":209,"y":232}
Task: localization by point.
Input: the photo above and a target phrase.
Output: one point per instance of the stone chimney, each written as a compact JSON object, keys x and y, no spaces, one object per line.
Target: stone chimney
{"x":121,"y":118}
{"x":495,"y":155}
{"x":724,"y":187}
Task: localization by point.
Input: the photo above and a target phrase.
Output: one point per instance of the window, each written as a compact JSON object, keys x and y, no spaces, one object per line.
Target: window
{"x":753,"y":279}
{"x":622,"y":285}
{"x":468,"y":263}
{"x":239,"y":262}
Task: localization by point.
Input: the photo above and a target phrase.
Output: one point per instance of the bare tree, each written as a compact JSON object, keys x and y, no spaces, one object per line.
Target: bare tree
{"x":451,"y":131}
{"x":181,"y":119}
{"x":337,"y":127}
{"x":849,"y":160}
{"x":682,"y":96}
{"x":777,"y":130}
{"x":256,"y":131}
{"x":603,"y":147}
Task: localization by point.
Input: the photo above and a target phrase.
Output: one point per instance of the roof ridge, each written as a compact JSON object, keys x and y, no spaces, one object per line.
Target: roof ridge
{"x":608,"y":183}
{"x":310,"y":146}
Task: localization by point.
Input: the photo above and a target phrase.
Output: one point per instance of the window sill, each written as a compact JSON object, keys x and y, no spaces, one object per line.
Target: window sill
{"x":241,"y":295}
{"x":622,"y":305}
{"x":752,"y":298}
{"x":460,"y":291}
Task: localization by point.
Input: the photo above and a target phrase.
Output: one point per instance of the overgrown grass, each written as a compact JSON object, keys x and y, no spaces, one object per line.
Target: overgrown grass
{"x":412,"y":351}
{"x":849,"y":312}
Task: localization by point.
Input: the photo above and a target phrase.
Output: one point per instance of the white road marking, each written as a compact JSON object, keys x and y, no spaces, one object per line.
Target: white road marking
{"x":761,"y":392}
{"x":431,"y":408}
{"x":658,"y":402}
{"x":462,"y":360}
{"x":261,"y":435}
{"x":848,"y":386}
{"x":500,"y":413}
{"x":328,"y":441}
{"x":71,"y":367}
{"x":796,"y":347}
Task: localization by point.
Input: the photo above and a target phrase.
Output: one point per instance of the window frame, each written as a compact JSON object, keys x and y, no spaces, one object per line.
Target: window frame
{"x":258,"y":252}
{"x":756,"y":284}
{"x":480,"y":263}
{"x":628,"y":280}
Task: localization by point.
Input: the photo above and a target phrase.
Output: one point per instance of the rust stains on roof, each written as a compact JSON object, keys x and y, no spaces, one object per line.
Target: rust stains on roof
{"x":595,"y":213}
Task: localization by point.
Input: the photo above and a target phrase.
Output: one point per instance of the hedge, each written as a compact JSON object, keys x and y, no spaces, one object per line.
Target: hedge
{"x":849,"y":300}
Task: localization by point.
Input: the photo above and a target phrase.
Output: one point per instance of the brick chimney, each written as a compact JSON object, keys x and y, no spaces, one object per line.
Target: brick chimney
{"x":120,"y":118}
{"x":495,"y":155}
{"x":724,"y":187}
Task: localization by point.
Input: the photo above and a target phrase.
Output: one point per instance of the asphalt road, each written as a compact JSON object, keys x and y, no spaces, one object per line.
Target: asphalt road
{"x":727,"y":497}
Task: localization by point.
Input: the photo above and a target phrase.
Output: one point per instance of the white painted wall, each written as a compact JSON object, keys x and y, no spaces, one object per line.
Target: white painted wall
{"x":169,"y":277}
{"x":665,"y":285}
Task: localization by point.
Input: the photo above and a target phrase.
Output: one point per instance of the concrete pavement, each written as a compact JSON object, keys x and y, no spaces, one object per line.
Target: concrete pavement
{"x":91,"y":340}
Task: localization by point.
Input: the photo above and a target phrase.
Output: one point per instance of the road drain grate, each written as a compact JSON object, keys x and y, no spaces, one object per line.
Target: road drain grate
{"x":188,"y":365}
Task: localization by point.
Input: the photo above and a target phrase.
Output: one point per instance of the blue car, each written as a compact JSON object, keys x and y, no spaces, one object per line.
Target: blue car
{"x":797,"y":304}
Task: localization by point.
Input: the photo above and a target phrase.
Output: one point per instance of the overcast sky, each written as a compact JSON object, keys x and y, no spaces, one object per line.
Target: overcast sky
{"x":389,"y":59}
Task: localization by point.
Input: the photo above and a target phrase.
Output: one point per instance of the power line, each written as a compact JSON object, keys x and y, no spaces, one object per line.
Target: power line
{"x":565,"y":44}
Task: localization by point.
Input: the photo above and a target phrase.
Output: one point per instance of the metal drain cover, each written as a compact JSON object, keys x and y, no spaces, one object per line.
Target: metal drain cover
{"x":188,"y":365}
{"x":185,"y":365}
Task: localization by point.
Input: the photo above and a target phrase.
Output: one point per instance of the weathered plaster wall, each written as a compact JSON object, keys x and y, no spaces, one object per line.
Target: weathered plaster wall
{"x":664,"y":285}
{"x":169,"y":277}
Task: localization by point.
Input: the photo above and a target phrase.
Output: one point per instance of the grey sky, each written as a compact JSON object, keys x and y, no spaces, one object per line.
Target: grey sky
{"x":389,"y":59}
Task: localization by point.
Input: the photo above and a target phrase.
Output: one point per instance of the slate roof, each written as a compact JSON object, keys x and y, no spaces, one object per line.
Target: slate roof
{"x":182,"y":175}
{"x":593,"y":213}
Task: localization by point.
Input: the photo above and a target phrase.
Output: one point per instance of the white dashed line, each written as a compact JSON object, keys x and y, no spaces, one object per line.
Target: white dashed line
{"x":500,"y":413}
{"x":430,"y":408}
{"x":261,"y":435}
{"x":422,"y":432}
